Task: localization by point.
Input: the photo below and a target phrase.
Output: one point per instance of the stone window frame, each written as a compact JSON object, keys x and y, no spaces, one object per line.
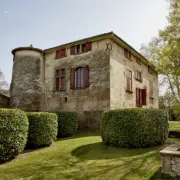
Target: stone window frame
{"x":60,"y":77}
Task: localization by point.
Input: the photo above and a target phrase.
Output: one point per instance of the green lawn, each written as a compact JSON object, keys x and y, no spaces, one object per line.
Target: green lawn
{"x":174,"y":125}
{"x":84,"y":156}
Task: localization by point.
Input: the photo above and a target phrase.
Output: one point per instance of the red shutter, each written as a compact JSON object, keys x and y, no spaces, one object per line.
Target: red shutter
{"x":88,"y":46}
{"x":63,"y":52}
{"x":57,"y":53}
{"x":86,"y":76}
{"x":144,"y":96}
{"x":137,"y":96}
{"x":72,"y":80}
{"x":72,"y":50}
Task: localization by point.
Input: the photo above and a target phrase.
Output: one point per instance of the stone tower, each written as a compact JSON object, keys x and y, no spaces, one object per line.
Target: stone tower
{"x":27,"y":85}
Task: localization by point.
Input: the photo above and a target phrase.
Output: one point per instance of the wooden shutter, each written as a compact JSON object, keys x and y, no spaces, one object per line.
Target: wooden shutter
{"x":86,"y":76}
{"x":137,"y":96}
{"x":144,"y":96}
{"x":72,"y":79}
{"x":88,"y":46}
{"x":63,"y":52}
{"x":72,"y":50}
{"x":57,"y":53}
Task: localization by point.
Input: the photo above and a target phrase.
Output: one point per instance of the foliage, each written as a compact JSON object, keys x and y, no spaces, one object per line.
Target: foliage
{"x":164,"y":51}
{"x":13,"y":133}
{"x":84,"y":156}
{"x":42,"y":128}
{"x":3,"y":82}
{"x":134,"y":127}
{"x":67,"y":123}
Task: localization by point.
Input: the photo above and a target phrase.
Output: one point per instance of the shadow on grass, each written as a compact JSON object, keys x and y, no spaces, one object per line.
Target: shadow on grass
{"x":100,"y":151}
{"x":158,"y":175}
{"x":79,"y":135}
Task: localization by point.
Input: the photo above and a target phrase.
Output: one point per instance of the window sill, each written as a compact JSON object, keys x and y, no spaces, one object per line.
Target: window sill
{"x":60,"y":57}
{"x":62,"y":90}
{"x":128,"y":58}
{"x":139,"y":80}
{"x":140,"y":106}
{"x":128,"y":91}
{"x":80,"y":53}
{"x":151,"y":97}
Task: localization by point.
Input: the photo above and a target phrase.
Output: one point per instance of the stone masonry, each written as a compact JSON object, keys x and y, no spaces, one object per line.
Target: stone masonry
{"x":4,"y":101}
{"x":170,"y":160}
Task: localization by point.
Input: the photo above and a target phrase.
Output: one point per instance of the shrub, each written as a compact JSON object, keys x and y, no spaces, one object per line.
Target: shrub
{"x":134,"y":127}
{"x":67,"y":123}
{"x":13,"y":133}
{"x":42,"y":128}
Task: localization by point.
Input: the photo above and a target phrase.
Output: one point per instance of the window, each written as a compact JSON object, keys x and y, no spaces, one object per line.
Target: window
{"x":151,"y":89}
{"x":138,"y":75}
{"x":60,"y":80}
{"x":81,"y":48}
{"x":140,"y":97}
{"x":129,"y":80}
{"x":150,"y":70}
{"x":127,"y":54}
{"x":79,"y":77}
{"x":138,"y":61}
{"x":61,"y":53}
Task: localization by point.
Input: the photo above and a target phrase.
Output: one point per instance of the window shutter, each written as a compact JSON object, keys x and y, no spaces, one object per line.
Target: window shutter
{"x":86,"y":76}
{"x":63,"y":52}
{"x":88,"y":46}
{"x":143,"y":96}
{"x":137,"y":96}
{"x":57,"y":53}
{"x":72,"y":50}
{"x":72,"y":80}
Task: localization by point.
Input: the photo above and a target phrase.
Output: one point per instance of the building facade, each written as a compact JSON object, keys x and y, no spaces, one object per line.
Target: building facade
{"x":88,"y":76}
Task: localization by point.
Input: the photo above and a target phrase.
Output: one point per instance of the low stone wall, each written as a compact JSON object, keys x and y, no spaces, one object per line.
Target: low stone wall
{"x":89,"y":120}
{"x":170,"y":160}
{"x":4,"y":101}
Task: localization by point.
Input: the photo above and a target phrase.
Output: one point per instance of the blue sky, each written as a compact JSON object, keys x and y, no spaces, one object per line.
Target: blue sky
{"x":48,"y":23}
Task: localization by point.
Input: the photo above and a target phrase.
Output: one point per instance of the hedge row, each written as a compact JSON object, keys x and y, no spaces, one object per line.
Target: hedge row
{"x":42,"y":129}
{"x":134,"y":127}
{"x":67,"y":123}
{"x":33,"y":129}
{"x":13,"y":133}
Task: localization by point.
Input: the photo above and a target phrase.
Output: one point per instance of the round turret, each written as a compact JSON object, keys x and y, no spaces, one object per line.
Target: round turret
{"x":27,"y":83}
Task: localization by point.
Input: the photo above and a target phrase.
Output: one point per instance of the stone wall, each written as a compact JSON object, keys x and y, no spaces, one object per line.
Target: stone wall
{"x":119,"y":65}
{"x":85,"y":101}
{"x":170,"y":160}
{"x":26,"y":90}
{"x":4,"y":101}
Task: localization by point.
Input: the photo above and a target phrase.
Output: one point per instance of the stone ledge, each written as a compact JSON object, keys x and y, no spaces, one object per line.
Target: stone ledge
{"x":173,"y":150}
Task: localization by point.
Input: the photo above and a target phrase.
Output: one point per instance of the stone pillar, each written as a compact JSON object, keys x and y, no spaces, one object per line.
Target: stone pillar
{"x":27,"y":85}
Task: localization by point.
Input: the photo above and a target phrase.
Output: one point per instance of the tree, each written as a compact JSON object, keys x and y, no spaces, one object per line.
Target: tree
{"x":164,"y":51}
{"x":3,"y":84}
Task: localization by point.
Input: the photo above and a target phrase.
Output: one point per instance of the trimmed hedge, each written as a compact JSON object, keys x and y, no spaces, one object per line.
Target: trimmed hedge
{"x":13,"y":133}
{"x":67,"y":123}
{"x":42,"y":128}
{"x":134,"y":127}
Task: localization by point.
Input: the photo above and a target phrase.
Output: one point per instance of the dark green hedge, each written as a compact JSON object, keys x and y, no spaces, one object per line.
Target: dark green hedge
{"x":13,"y":133}
{"x":67,"y":123}
{"x":42,"y":128}
{"x":134,"y":127}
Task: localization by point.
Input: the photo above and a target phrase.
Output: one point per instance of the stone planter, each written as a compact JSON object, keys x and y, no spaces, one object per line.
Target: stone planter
{"x":170,"y":160}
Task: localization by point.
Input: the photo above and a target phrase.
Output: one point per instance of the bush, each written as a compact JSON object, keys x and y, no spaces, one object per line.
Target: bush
{"x":13,"y":133}
{"x":67,"y":123}
{"x":42,"y":128}
{"x":134,"y":127}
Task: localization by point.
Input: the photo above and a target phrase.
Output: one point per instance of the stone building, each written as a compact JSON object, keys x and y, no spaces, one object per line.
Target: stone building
{"x":88,"y":76}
